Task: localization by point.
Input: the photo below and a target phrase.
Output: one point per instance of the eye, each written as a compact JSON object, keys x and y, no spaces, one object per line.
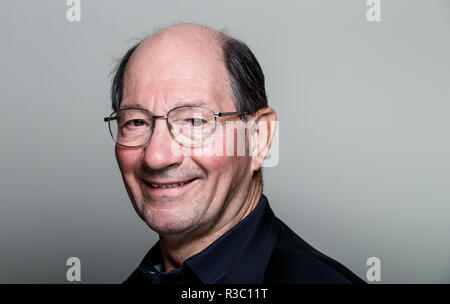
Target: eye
{"x":135,"y":123}
{"x":196,"y":122}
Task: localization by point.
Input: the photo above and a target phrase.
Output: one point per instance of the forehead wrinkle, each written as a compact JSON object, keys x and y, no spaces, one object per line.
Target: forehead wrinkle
{"x":167,"y":89}
{"x":173,"y":92}
{"x":172,"y":88}
{"x":142,"y":105}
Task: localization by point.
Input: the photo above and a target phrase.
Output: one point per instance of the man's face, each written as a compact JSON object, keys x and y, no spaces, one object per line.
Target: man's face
{"x":160,"y":76}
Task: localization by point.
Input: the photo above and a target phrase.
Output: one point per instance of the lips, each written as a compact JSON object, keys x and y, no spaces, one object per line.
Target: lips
{"x":168,"y":185}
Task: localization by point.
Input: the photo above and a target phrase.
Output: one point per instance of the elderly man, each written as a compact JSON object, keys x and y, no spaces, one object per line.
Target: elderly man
{"x":171,"y":95}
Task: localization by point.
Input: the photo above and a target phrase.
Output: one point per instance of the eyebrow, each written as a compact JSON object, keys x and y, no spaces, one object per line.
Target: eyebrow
{"x":196,"y":102}
{"x":132,"y":105}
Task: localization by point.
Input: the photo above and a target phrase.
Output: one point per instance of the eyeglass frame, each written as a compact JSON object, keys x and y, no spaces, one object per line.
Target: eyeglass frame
{"x":153,"y":117}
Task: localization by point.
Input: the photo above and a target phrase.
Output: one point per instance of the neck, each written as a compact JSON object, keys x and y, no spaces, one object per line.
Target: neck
{"x":175,"y":250}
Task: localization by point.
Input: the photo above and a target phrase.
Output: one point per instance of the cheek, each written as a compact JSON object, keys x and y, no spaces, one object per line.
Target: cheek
{"x":226,"y":154}
{"x":219,"y":169}
{"x":127,"y":159}
{"x":212,"y":164}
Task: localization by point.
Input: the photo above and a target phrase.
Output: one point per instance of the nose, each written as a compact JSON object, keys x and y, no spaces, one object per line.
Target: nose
{"x":162,"y":151}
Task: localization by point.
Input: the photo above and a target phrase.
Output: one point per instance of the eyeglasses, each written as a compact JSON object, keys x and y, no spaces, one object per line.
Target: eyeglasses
{"x":189,"y":125}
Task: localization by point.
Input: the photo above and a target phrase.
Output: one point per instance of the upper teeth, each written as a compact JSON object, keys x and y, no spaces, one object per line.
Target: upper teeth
{"x":167,"y":186}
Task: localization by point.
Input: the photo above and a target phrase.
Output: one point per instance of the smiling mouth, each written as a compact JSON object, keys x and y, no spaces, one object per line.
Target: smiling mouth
{"x":169,"y":185}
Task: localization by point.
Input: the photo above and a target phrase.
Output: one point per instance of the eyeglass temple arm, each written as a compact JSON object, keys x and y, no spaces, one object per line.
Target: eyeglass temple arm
{"x":109,"y":118}
{"x":221,"y":114}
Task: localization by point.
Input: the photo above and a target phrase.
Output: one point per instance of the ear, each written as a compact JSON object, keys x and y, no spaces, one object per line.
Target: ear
{"x":262,"y":129}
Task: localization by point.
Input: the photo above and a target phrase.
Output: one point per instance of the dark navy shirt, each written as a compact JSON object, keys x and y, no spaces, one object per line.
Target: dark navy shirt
{"x":259,"y":249}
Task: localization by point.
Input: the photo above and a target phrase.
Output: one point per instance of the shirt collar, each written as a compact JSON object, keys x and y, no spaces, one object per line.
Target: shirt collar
{"x":240,"y":255}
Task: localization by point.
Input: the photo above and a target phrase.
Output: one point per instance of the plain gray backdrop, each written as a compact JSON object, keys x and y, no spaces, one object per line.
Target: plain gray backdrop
{"x":363,"y":107}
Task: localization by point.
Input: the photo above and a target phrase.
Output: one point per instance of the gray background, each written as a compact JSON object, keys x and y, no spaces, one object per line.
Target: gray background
{"x":364,"y":131}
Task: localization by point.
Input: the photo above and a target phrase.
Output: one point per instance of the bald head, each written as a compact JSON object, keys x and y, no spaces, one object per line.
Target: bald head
{"x":183,"y":43}
{"x":185,"y":53}
{"x":199,"y":35}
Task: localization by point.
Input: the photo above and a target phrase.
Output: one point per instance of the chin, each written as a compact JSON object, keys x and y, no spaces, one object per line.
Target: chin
{"x":168,"y":222}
